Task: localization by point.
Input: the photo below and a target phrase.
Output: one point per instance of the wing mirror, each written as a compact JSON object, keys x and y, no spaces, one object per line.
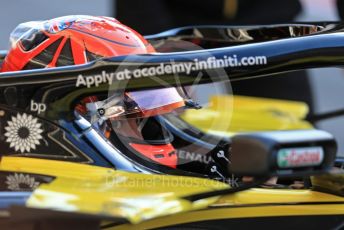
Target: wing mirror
{"x":282,"y":153}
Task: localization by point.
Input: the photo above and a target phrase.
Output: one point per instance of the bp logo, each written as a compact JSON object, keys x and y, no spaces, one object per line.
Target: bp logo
{"x":23,"y":132}
{"x":300,"y":157}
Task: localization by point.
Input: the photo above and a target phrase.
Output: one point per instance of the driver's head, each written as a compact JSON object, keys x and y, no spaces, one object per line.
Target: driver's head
{"x":124,"y":117}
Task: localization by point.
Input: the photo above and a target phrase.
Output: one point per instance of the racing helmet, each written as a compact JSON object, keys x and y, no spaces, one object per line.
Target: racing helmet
{"x":70,"y":40}
{"x":124,"y":118}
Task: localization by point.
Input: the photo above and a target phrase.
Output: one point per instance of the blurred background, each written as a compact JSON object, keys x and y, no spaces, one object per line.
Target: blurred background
{"x":321,"y":89}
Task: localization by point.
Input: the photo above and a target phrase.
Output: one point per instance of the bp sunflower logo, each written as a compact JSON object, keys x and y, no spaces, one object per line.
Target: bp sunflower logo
{"x":21,"y":182}
{"x":23,"y":132}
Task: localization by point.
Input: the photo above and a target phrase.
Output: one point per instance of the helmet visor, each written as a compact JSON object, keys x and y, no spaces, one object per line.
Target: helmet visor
{"x":139,"y":104}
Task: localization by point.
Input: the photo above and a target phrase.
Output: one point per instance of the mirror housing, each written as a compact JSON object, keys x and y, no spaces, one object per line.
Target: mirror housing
{"x":282,"y":153}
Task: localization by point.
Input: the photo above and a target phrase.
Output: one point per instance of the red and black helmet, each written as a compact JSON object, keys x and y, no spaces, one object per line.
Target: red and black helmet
{"x":70,"y":40}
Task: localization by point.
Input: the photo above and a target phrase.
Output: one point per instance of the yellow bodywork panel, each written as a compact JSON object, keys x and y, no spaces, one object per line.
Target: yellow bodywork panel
{"x":254,"y":203}
{"x":264,"y":196}
{"x":108,"y":192}
{"x":248,"y":114}
{"x":156,"y":200}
